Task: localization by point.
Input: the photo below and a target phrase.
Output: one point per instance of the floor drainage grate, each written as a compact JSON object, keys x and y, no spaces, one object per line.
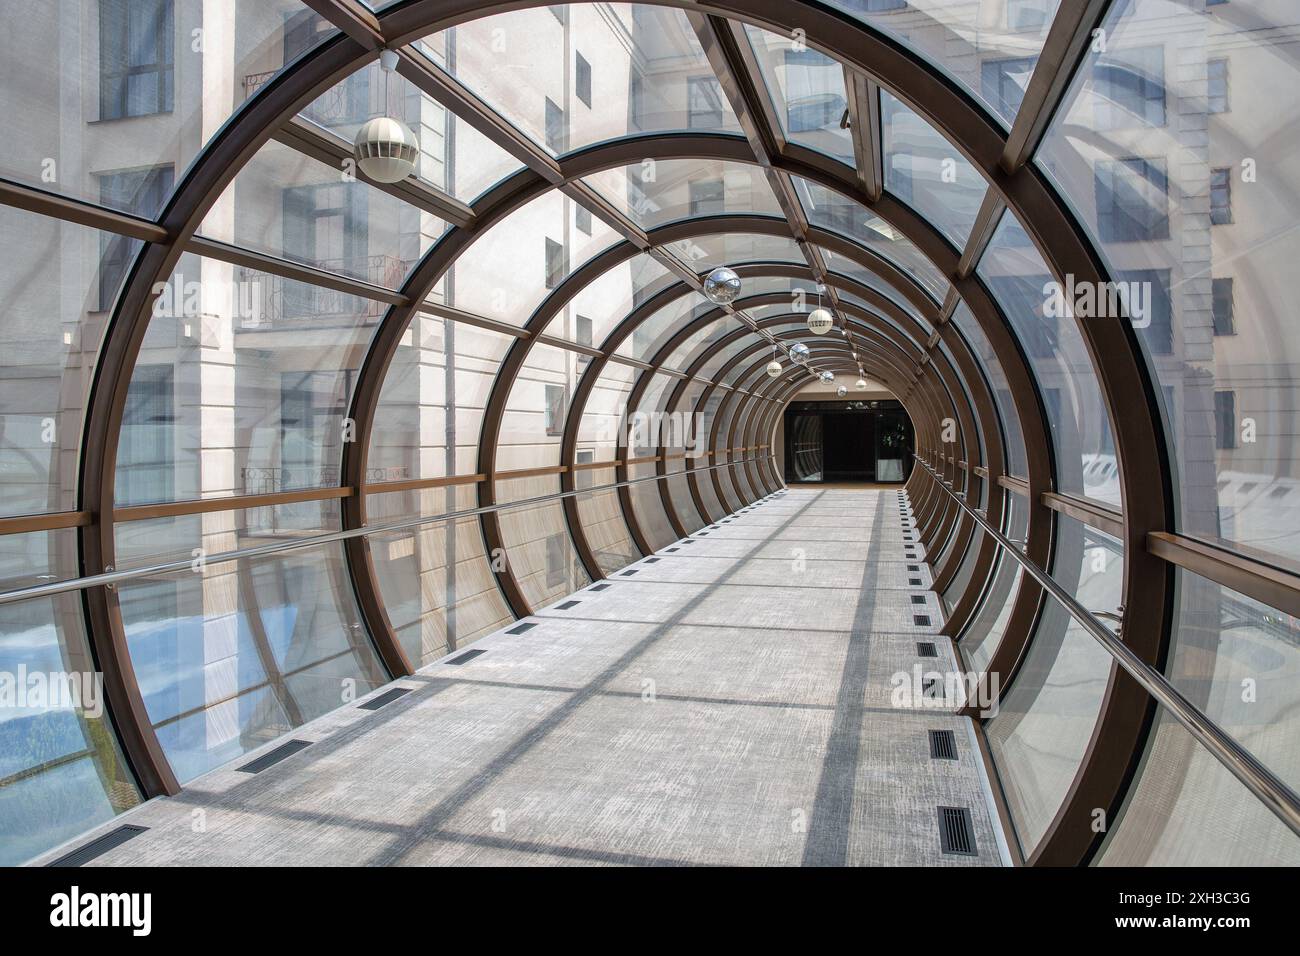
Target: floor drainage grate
{"x":943,"y":745}
{"x":282,"y":752}
{"x":671,"y":550}
{"x":914,"y":582}
{"x":955,"y":832}
{"x":517,"y":629}
{"x":921,"y":620}
{"x":598,"y":587}
{"x":930,"y":687}
{"x":467,"y":656}
{"x":918,"y":598}
{"x":926,"y":649}
{"x":99,"y":846}
{"x":914,"y":567}
{"x":387,"y":697}
{"x":651,"y":560}
{"x":629,"y":572}
{"x":566,"y":605}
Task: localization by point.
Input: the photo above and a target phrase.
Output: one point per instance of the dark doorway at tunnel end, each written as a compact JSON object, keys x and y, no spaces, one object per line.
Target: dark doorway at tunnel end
{"x":868,"y":441}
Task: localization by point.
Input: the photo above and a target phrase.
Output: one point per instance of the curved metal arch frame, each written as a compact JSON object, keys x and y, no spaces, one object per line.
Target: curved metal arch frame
{"x":1112,"y":346}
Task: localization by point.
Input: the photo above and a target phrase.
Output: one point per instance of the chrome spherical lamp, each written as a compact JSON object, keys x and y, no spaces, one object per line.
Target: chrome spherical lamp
{"x":721,"y":286}
{"x":826,"y":377}
{"x":841,"y":391}
{"x":799,"y":353}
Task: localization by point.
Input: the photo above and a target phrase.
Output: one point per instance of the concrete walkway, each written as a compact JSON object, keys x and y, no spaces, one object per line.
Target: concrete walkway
{"x":725,"y":701}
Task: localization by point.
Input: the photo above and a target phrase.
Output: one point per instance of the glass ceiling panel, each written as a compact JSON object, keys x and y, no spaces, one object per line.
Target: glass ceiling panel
{"x":652,"y":334}
{"x":733,"y":248}
{"x":657,"y":192}
{"x":807,"y":92}
{"x":591,"y":315}
{"x":108,"y":108}
{"x":1178,"y":158}
{"x":990,"y":49}
{"x":454,"y":156}
{"x":510,"y":269}
{"x":909,"y":261}
{"x":286,"y":204}
{"x":725,"y":354}
{"x":700,"y":342}
{"x":1019,"y":280}
{"x":978,"y":342}
{"x":571,"y":76}
{"x":925,"y":171}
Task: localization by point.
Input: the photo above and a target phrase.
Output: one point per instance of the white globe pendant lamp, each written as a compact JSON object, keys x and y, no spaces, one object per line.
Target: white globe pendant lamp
{"x":820,"y":321}
{"x":860,"y":385}
{"x":385,"y":149}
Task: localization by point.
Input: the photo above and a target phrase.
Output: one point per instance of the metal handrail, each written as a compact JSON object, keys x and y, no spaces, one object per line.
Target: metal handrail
{"x":1240,"y":762}
{"x":110,"y":578}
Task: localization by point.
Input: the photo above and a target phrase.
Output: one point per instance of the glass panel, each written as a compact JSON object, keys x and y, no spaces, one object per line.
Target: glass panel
{"x":978,"y":342}
{"x":925,"y":171}
{"x":990,"y":51}
{"x":538,"y":548}
{"x":1186,"y":809}
{"x":184,"y":537}
{"x":61,"y":771}
{"x":510,"y":269}
{"x":591,"y":315}
{"x":1044,"y":723}
{"x":242,"y":653}
{"x":288,"y":205}
{"x":807,"y":91}
{"x":645,"y":61}
{"x":435,"y":581}
{"x":536,"y":410}
{"x":1189,"y":197}
{"x":735,"y":248}
{"x":430,"y":410}
{"x":61,"y":283}
{"x":241,"y":386}
{"x":454,"y":156}
{"x":104,"y":105}
{"x":655,"y":193}
{"x":1020,"y":282}
{"x":1238,"y":661}
{"x":601,"y":514}
{"x":902,"y":254}
{"x":648,"y":508}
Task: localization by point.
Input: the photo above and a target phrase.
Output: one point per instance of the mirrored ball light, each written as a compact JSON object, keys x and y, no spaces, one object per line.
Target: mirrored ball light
{"x":820,"y":321}
{"x":827,"y":377}
{"x":841,"y":391}
{"x":721,"y":286}
{"x":773,"y":368}
{"x":799,"y":353}
{"x":386,"y":150}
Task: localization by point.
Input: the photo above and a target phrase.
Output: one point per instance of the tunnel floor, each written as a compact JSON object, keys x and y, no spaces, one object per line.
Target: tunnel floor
{"x":724,"y":701}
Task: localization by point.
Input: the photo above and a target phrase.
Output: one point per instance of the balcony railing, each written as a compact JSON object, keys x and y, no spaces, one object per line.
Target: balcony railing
{"x":271,"y":302}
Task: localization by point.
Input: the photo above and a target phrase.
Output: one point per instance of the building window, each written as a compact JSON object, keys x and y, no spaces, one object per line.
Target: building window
{"x":1220,"y":196}
{"x":1225,"y":419}
{"x":1004,"y":83}
{"x":1029,"y":14}
{"x":582,"y":476}
{"x":326,"y":226}
{"x":145,"y":456}
{"x":582,"y":330}
{"x":560,"y":13}
{"x":1158,"y":334}
{"x":135,"y":58}
{"x":704,"y":103}
{"x":582,"y":219}
{"x":556,"y":130}
{"x":1132,"y":200}
{"x":1222,"y":307}
{"x":1129,"y":88}
{"x":582,"y":79}
{"x":1216,"y":86}
{"x":140,"y":192}
{"x":557,"y":263}
{"x":707,"y":197}
{"x":554,"y":411}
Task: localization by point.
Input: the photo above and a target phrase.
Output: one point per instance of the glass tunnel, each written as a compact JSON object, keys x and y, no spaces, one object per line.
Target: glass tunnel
{"x":279,"y":437}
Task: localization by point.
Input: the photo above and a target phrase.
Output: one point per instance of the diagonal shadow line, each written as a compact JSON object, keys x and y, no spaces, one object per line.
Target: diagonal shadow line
{"x":441,"y":813}
{"x":828,"y":825}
